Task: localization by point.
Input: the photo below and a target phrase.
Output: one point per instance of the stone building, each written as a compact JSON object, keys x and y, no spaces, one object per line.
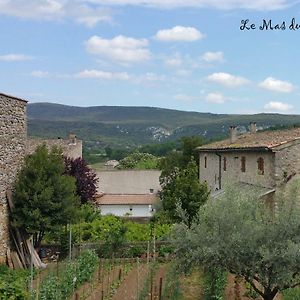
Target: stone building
{"x":262,"y":159}
{"x":14,"y":145}
{"x":13,"y":132}
{"x":71,"y":147}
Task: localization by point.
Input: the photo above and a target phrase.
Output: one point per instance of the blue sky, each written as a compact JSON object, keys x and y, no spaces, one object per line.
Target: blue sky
{"x":179,"y":54}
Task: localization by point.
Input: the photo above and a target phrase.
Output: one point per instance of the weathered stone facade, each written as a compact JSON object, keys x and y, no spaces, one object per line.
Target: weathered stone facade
{"x":14,"y":145}
{"x":217,"y":175}
{"x":262,"y":159}
{"x":13,"y":132}
{"x":71,"y":147}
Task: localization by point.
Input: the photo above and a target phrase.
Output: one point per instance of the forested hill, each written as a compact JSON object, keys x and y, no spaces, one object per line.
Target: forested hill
{"x":132,"y":126}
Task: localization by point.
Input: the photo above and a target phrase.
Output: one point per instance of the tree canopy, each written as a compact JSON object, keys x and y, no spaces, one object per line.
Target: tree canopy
{"x":44,"y":197}
{"x":239,"y":233}
{"x":183,"y":190}
{"x":85,"y":178}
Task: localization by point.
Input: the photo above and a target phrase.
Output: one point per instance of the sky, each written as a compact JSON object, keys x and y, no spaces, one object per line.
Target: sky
{"x":192,"y":55}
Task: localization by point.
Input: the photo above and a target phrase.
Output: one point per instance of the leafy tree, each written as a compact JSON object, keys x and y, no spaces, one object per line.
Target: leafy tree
{"x":239,"y":233}
{"x":139,"y":161}
{"x":188,"y":145}
{"x":182,"y":189}
{"x":86,"y":178}
{"x":44,"y":197}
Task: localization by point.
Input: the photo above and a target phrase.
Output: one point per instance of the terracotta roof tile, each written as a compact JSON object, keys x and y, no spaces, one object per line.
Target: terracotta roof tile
{"x":264,"y":139}
{"x":121,"y":199}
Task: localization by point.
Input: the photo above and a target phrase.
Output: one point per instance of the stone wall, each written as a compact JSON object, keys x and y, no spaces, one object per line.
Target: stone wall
{"x":13,"y":131}
{"x":71,"y":147}
{"x":287,"y":162}
{"x":233,"y":172}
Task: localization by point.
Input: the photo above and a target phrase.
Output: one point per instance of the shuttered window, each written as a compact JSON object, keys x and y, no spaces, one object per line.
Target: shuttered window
{"x":243,"y":164}
{"x":261,"y":166}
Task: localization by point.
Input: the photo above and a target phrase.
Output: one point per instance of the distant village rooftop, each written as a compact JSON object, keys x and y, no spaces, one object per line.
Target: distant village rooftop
{"x":255,"y":141}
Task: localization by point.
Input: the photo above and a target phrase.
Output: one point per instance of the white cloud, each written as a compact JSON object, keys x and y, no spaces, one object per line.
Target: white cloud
{"x":80,"y":11}
{"x":92,"y":12}
{"x":121,"y":48}
{"x":15,"y":57}
{"x":153,"y":77}
{"x":213,"y":56}
{"x":174,"y":61}
{"x":227,"y":79}
{"x":224,"y":4}
{"x":179,"y":34}
{"x":184,"y":98}
{"x":217,"y":98}
{"x":40,"y":74}
{"x":276,"y":85}
{"x":274,"y":106}
{"x":98,"y":74}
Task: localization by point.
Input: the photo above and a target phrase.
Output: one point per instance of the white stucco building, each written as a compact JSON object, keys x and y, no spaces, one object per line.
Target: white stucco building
{"x":130,"y":193}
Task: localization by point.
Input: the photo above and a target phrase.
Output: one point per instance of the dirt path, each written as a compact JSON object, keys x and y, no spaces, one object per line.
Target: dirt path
{"x":133,"y":282}
{"x":102,"y":284}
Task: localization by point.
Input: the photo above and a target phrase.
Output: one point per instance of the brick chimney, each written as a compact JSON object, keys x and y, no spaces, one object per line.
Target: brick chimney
{"x":253,"y":127}
{"x":233,"y":134}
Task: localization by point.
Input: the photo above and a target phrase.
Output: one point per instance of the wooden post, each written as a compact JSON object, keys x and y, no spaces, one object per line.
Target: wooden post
{"x":137,"y":278}
{"x":120,"y":274}
{"x":160,"y":289}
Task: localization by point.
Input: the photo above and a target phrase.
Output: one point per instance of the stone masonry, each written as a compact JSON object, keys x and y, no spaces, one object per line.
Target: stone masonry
{"x":13,"y":132}
{"x":71,"y":147}
{"x":14,"y":145}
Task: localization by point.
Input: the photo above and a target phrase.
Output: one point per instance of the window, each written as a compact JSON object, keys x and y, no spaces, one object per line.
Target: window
{"x":205,"y":162}
{"x":260,"y":166}
{"x":243,"y":164}
{"x":224,"y":163}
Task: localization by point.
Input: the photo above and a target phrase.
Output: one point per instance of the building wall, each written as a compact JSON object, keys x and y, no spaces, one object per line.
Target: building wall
{"x":233,"y":171}
{"x":13,"y":131}
{"x":287,"y":162}
{"x":128,"y":181}
{"x":70,"y":148}
{"x":142,"y":211}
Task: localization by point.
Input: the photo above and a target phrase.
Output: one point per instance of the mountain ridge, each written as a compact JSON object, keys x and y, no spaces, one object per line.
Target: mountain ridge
{"x":131,"y":126}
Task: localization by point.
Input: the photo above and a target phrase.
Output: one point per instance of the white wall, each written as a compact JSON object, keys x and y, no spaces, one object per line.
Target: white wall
{"x":121,"y":210}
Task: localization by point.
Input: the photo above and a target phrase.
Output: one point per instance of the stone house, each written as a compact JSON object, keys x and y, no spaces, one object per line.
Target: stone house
{"x":14,"y":145}
{"x":263,"y":159}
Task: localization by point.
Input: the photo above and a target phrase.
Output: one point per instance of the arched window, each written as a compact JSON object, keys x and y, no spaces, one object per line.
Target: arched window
{"x":224,"y":164}
{"x":260,"y":166}
{"x":243,"y":164}
{"x":205,"y":162}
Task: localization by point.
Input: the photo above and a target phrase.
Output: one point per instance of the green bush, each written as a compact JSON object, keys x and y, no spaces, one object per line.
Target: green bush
{"x":13,"y":284}
{"x":214,"y":284}
{"x":292,"y":294}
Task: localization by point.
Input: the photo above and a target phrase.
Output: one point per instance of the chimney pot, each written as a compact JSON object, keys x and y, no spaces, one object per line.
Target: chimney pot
{"x":253,"y":127}
{"x":233,"y":134}
{"x":72,"y":138}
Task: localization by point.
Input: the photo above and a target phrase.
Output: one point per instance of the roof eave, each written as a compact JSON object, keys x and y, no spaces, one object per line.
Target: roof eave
{"x":241,"y":149}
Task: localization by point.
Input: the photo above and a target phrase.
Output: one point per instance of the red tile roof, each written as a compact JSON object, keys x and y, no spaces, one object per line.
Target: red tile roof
{"x":265,"y":140}
{"x":123,"y":199}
